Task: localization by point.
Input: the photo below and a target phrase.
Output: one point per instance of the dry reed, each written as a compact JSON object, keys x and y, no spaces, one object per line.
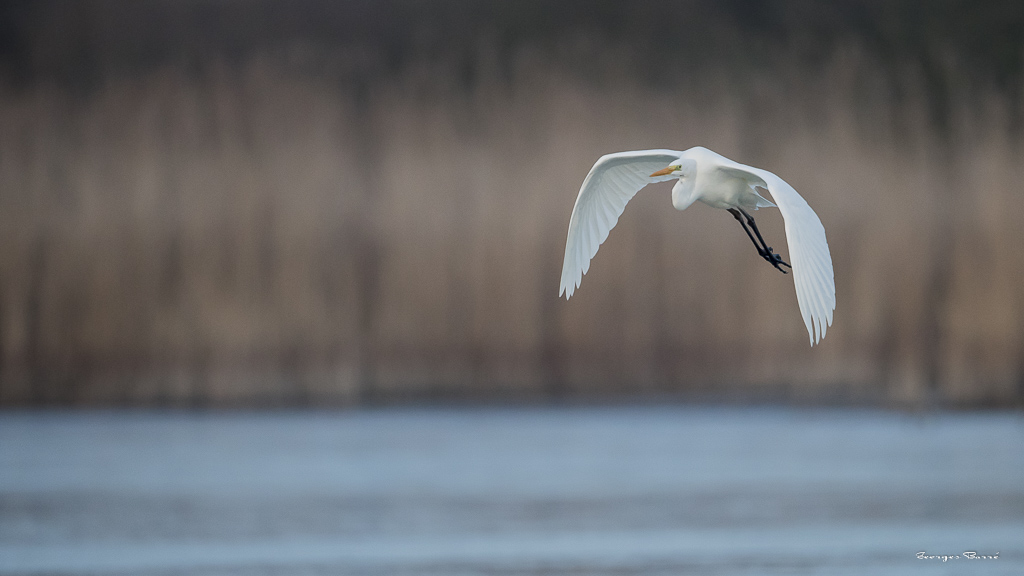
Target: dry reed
{"x":256,"y":235}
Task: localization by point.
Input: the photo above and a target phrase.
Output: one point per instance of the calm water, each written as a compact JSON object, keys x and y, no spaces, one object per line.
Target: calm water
{"x":608,"y":491}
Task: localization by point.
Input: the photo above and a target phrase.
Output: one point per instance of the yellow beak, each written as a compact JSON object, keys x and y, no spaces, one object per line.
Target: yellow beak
{"x":664,"y":171}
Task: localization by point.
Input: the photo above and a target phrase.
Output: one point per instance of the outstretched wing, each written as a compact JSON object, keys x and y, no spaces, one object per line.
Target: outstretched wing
{"x":611,"y":183}
{"x":808,"y":249}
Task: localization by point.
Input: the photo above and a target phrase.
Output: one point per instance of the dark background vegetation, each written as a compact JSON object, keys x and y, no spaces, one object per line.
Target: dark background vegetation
{"x":207,"y":203}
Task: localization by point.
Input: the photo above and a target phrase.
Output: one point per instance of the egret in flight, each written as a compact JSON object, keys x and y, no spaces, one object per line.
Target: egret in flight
{"x":720,"y":183}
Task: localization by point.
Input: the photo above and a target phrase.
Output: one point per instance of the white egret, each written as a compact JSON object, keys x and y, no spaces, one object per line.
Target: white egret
{"x":718,"y":182}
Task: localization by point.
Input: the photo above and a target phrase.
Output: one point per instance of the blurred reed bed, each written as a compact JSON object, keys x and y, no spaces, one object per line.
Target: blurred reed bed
{"x":265,"y":233}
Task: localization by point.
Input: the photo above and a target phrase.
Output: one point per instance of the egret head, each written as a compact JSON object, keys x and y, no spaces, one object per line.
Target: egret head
{"x":672,"y":170}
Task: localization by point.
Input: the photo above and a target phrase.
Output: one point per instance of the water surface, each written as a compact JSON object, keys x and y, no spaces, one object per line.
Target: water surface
{"x":604,"y":491}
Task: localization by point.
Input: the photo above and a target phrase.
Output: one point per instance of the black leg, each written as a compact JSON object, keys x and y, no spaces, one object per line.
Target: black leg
{"x":750,"y":221}
{"x":736,"y":214}
{"x":763,"y":249}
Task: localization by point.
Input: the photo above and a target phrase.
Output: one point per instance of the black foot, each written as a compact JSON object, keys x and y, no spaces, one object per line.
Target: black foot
{"x":775,"y":260}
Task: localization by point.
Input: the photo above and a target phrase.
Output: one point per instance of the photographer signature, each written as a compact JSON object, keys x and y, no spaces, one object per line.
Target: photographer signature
{"x":968,"y":555}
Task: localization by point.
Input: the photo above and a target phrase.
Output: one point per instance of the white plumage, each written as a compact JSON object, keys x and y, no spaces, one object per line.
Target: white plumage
{"x":718,"y":182}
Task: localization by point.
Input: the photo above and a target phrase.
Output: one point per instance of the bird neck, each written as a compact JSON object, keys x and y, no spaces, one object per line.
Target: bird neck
{"x":682,"y":193}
